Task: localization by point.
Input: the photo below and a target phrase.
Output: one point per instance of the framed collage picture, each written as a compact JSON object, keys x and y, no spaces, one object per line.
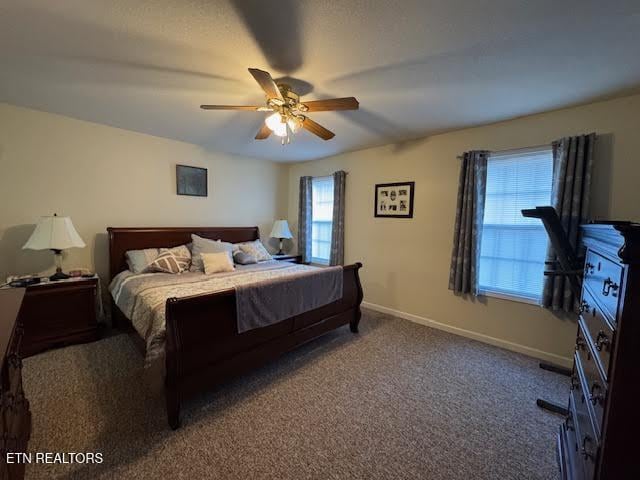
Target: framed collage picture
{"x":394,"y":200}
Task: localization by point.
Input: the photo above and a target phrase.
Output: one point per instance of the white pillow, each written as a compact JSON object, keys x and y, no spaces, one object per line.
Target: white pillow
{"x":204,"y":245}
{"x":217,"y":262}
{"x":255,"y":249}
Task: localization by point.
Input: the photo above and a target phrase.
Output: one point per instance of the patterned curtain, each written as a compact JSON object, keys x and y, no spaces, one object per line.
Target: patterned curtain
{"x":337,"y":232}
{"x":463,"y":275}
{"x":572,"y":162}
{"x":305,"y":216}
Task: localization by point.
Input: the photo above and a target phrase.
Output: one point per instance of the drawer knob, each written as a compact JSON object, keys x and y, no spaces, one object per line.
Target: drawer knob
{"x":602,"y":340}
{"x":609,"y":287}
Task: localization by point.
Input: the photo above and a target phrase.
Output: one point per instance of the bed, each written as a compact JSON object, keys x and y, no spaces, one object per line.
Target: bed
{"x":201,"y":346}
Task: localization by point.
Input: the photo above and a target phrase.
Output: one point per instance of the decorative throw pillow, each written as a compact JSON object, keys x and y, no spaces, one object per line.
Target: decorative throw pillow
{"x":182,"y":252}
{"x":139,"y":260}
{"x":168,"y":262}
{"x":217,"y":262}
{"x":256,"y":248}
{"x":243,"y":258}
{"x":204,"y":245}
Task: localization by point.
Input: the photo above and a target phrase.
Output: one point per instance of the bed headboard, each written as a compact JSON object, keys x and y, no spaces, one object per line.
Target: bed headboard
{"x":123,"y":239}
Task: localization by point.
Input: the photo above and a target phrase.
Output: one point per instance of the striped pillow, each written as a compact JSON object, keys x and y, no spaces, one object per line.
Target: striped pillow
{"x":168,"y":262}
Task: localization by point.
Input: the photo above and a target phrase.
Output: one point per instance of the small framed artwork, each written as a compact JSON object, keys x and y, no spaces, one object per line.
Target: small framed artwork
{"x":191,"y":181}
{"x":394,"y":200}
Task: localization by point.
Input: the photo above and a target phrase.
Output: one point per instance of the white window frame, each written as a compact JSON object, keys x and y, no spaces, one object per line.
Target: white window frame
{"x":318,"y":260}
{"x":496,"y":293}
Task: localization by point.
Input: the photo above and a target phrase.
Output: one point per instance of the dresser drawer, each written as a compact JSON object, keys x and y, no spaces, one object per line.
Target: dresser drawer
{"x":594,"y":386}
{"x":573,"y":459}
{"x":586,"y":447}
{"x":58,"y":314}
{"x":599,"y":329}
{"x":604,"y":277}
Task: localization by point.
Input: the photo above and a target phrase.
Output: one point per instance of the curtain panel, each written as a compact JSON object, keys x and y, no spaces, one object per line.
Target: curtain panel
{"x":305,"y":216}
{"x":572,"y":164}
{"x":337,"y":225}
{"x":463,"y":274}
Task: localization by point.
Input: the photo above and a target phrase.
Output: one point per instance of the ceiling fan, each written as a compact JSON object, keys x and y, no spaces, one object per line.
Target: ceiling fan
{"x":288,"y":111}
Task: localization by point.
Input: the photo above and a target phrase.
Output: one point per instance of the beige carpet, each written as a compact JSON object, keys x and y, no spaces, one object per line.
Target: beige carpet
{"x":399,"y":400}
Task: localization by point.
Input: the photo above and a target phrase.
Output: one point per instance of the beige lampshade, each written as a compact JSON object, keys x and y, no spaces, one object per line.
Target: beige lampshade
{"x":281,"y":229}
{"x":54,"y":233}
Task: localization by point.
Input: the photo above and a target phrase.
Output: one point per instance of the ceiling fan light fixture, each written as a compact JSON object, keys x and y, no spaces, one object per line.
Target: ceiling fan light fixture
{"x":287,"y":115}
{"x":276,"y":124}
{"x":273,"y":120}
{"x":294,"y":124}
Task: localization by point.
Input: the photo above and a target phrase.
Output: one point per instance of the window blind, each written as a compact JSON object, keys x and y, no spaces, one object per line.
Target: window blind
{"x":322,"y":218}
{"x":513,"y":248}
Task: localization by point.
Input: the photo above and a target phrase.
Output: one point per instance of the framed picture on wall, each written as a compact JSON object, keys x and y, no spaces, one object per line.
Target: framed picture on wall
{"x":394,"y":200}
{"x":191,"y":181}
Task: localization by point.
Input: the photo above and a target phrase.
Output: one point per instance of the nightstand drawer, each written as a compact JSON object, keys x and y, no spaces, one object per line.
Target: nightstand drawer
{"x":58,"y":314}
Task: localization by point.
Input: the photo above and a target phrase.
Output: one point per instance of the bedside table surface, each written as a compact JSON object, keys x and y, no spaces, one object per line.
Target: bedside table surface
{"x":69,"y":282}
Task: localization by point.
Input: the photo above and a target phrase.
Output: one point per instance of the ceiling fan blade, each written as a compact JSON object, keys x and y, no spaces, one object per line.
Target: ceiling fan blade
{"x":229,"y":107}
{"x":347,"y":103}
{"x":266,"y":83}
{"x":317,"y":129}
{"x":263,"y":133}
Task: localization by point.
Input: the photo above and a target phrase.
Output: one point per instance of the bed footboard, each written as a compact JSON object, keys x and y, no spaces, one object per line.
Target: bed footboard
{"x":203,"y":346}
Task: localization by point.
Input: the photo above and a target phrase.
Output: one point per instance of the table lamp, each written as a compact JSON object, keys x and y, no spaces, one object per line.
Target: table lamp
{"x":54,"y":233}
{"x":281,"y":231}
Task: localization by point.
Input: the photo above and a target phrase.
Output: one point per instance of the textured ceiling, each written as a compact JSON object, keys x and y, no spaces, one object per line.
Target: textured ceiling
{"x":417,"y":67}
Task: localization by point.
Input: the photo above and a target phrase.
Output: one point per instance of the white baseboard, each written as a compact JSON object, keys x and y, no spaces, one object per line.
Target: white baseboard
{"x":514,"y":347}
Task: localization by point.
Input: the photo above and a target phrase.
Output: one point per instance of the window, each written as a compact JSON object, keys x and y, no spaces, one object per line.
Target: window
{"x":322,"y":216}
{"x":513,"y":248}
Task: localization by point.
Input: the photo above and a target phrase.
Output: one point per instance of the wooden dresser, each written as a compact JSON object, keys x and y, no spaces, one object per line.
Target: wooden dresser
{"x":600,"y":438}
{"x":15,"y":418}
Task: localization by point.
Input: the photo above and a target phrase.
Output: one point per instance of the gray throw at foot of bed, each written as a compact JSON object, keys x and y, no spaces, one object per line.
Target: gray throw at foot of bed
{"x":270,"y":301}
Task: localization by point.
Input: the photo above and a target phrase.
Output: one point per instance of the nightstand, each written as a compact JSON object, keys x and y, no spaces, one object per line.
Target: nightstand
{"x":59,"y":313}
{"x":288,"y":258}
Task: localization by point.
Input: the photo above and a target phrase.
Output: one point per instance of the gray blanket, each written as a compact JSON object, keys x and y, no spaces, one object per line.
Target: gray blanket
{"x":270,"y":301}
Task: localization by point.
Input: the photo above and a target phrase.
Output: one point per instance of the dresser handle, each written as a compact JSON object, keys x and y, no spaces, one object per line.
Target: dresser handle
{"x":607,"y":286}
{"x":596,"y":398}
{"x":569,"y":421}
{"x":584,"y":306}
{"x":601,"y":340}
{"x":588,"y":268}
{"x":580,"y":344}
{"x":585,"y":452}
{"x":575,"y":383}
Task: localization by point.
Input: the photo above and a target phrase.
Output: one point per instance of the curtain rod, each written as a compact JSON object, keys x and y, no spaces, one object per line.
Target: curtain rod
{"x":514,"y":150}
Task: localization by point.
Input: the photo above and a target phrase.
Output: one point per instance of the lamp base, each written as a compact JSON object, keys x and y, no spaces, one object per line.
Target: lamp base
{"x":280,"y":252}
{"x":59,"y":275}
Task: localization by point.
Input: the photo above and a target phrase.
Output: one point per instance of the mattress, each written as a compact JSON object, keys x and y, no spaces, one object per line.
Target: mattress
{"x":142,"y":297}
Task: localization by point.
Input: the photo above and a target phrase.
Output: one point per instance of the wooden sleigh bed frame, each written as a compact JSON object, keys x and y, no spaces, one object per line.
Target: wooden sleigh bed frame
{"x":203,"y":347}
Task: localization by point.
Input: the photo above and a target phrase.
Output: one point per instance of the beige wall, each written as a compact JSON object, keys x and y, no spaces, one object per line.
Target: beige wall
{"x":102,"y":176}
{"x":406,"y":262}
